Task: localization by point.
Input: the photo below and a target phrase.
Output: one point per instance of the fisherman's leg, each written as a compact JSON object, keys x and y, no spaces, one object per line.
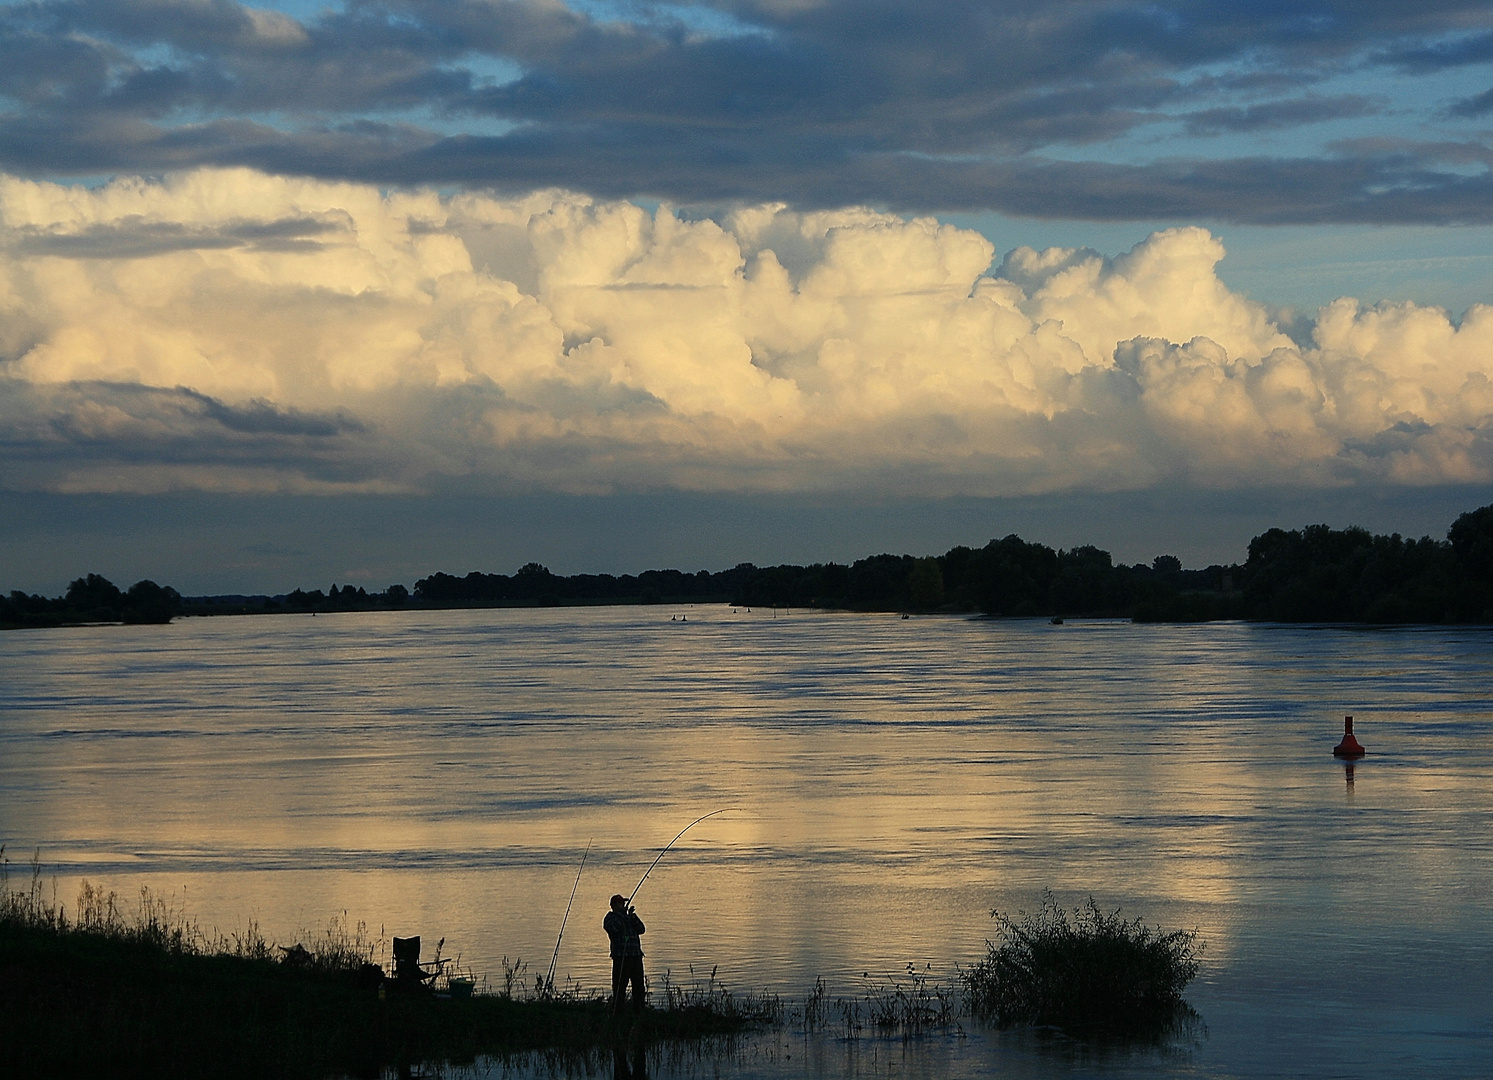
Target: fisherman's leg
{"x":619,"y":983}
{"x":635,"y":975}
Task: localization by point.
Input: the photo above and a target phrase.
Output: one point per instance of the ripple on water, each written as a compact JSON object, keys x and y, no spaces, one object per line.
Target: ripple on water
{"x":441,"y":772}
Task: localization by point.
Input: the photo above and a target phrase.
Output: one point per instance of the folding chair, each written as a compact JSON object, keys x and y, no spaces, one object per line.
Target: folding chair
{"x":409,"y":973}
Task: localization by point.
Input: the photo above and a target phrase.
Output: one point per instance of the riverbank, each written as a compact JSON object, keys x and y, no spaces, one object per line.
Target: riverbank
{"x":74,"y":1002}
{"x":1312,"y":575}
{"x":151,"y":993}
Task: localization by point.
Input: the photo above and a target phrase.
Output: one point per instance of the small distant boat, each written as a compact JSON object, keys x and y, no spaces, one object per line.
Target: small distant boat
{"x":1057,"y":620}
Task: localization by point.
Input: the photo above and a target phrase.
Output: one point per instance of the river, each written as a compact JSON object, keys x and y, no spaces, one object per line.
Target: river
{"x":891,"y":781}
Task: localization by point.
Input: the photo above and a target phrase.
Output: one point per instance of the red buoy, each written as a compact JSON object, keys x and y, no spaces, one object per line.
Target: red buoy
{"x":1349,"y":747}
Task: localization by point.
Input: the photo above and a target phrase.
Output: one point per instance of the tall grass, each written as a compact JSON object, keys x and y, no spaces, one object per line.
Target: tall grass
{"x":906,"y":1006}
{"x":1095,"y":973}
{"x":710,"y":998}
{"x":162,"y":924}
{"x":139,"y":988}
{"x":128,"y":989}
{"x":913,"y":1004}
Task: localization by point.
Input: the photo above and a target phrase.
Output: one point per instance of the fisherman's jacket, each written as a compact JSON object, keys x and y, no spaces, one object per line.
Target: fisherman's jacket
{"x":624,"y":930}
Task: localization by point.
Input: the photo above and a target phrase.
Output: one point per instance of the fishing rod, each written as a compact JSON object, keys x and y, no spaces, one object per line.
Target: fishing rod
{"x":671,"y":843}
{"x":550,"y":982}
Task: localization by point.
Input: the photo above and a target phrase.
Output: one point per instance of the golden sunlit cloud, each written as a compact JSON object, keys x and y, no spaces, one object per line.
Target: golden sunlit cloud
{"x":235,"y":331}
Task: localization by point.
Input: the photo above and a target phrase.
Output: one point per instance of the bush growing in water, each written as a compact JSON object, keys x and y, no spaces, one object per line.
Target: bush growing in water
{"x":1097,"y":972}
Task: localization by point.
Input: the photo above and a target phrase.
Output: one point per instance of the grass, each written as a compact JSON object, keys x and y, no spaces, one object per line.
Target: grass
{"x":1096,"y":974}
{"x":142,"y":991}
{"x":907,"y":1006}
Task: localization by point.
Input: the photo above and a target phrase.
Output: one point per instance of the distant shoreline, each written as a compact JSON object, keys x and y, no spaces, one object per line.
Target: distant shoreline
{"x":1312,"y":575}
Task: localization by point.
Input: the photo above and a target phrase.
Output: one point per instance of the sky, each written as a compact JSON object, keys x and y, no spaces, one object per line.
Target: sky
{"x":359,"y":291}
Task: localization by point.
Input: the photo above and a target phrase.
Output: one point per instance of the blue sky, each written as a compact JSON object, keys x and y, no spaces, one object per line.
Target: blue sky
{"x":921,"y":258}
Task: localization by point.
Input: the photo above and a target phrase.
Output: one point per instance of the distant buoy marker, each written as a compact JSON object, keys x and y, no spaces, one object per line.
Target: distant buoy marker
{"x":1349,"y":747}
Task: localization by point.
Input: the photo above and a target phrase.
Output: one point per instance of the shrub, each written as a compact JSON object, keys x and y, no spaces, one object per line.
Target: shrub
{"x":1097,"y":973}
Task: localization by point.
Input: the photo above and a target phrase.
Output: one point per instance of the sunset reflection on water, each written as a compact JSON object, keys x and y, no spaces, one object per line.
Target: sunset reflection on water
{"x":441,"y":772}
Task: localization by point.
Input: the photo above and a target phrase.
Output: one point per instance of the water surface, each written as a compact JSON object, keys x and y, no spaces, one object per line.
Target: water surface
{"x":441,"y":773}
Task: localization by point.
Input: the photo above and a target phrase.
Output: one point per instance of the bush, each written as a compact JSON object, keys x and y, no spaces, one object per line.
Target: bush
{"x":1097,"y":973}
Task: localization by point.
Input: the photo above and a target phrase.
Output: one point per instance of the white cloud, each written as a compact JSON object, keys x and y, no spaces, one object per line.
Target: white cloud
{"x":232,"y":330}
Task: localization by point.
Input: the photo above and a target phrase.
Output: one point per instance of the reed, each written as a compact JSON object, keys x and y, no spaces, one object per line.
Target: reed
{"x":1096,"y":974}
{"x":710,"y":1001}
{"x":913,"y":1004}
{"x":907,"y":1006}
{"x":142,"y":989}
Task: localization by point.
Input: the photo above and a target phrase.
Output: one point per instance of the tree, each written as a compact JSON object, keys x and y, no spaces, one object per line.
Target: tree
{"x":1011,"y":576}
{"x":1085,"y":583}
{"x":147,"y":602}
{"x":1471,"y":537}
{"x":94,"y":594}
{"x":1166,"y":564}
{"x":925,"y":584}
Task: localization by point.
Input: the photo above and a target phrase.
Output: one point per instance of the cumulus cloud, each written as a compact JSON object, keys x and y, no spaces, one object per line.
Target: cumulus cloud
{"x":230,"y":330}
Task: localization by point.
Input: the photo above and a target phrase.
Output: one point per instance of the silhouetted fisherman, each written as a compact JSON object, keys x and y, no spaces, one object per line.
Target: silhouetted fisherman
{"x":625,"y":929}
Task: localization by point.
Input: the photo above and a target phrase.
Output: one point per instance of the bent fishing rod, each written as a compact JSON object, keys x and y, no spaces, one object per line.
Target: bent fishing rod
{"x":671,"y":843}
{"x":550,"y":981}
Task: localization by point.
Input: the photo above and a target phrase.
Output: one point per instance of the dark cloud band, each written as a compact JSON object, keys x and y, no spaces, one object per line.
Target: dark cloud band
{"x":957,"y":106}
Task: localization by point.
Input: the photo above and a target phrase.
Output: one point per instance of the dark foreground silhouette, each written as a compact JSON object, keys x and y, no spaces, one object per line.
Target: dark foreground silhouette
{"x":1093,"y":972}
{"x":136,"y":1002}
{"x":152,"y":995}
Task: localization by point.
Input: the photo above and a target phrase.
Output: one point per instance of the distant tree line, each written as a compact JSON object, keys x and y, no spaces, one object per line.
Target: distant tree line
{"x":1319,"y":574}
{"x":92,"y":599}
{"x":535,"y":586}
{"x":1315,"y":574}
{"x":346,"y":598}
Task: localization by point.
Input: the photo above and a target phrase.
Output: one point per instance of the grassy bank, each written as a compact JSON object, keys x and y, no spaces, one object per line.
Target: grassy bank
{"x":148,"y":993}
